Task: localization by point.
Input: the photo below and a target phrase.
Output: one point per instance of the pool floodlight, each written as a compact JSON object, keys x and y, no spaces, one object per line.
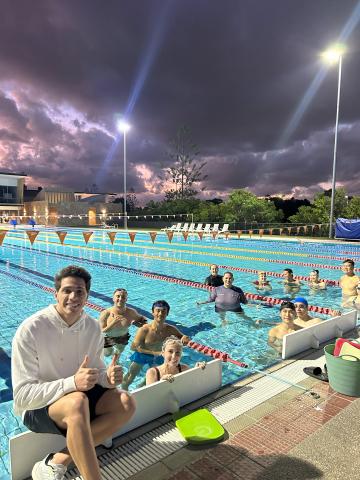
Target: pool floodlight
{"x":123,"y":126}
{"x":332,"y":54}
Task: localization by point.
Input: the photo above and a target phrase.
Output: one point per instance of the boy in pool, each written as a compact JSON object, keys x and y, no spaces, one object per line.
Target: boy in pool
{"x":148,"y":341}
{"x":287,"y":325}
{"x":115,"y":322}
{"x":348,"y":282}
{"x":303,"y":319}
{"x":214,"y":279}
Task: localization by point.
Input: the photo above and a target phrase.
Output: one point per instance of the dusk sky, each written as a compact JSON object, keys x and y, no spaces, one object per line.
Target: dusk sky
{"x":234,"y":71}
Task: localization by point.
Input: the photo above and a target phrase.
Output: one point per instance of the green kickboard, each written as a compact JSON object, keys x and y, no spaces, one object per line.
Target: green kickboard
{"x":199,"y":427}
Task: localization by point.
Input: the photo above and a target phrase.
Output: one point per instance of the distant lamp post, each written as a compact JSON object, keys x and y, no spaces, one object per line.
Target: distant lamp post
{"x":124,"y":127}
{"x":332,"y":56}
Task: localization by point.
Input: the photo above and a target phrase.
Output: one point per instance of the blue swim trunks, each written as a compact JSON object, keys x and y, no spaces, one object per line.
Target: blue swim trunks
{"x":146,"y":359}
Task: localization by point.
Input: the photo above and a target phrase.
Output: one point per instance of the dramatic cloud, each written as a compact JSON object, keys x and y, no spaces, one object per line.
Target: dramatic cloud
{"x":234,"y":72}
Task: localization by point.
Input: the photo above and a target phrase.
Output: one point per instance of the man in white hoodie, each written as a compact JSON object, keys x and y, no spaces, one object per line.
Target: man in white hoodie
{"x":60,"y":382}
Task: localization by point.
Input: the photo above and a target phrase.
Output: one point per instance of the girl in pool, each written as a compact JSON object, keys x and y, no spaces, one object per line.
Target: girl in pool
{"x":314,"y":282}
{"x":171,"y":351}
{"x":262,"y":283}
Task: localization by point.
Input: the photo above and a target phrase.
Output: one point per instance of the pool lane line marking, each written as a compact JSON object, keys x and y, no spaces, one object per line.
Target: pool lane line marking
{"x":97,"y":295}
{"x":154,"y":247}
{"x":129,"y":269}
{"x":259,"y":259}
{"x":190,"y":283}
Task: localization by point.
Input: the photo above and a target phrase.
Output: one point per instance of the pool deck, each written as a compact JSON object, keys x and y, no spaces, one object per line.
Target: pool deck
{"x":290,"y":437}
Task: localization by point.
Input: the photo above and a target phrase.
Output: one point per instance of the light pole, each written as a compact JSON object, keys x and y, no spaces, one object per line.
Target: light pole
{"x":331,"y":56}
{"x":124,"y":128}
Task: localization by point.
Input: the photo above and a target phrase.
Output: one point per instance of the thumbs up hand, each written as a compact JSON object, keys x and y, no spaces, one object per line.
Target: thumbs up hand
{"x":114,"y":371}
{"x":85,"y":377}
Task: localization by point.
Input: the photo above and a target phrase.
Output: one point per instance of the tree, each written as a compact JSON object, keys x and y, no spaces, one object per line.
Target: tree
{"x":352,"y":210}
{"x":186,"y":171}
{"x":319,"y":210}
{"x":243,"y":206}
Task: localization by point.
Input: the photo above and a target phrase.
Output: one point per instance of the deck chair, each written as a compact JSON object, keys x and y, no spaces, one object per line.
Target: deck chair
{"x":178,"y":227}
{"x":215,"y":227}
{"x":192,"y":228}
{"x":225,"y":228}
{"x":199,"y":227}
{"x":185,"y":227}
{"x":207,"y":228}
{"x":172,"y":228}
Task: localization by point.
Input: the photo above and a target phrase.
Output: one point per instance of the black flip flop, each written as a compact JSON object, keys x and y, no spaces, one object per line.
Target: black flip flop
{"x":317,"y":372}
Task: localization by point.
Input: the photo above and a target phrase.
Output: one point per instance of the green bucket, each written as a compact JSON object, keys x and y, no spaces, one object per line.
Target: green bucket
{"x":344,"y":375}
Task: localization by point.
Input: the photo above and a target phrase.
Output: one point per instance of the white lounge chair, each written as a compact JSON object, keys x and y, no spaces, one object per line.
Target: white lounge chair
{"x":215,"y":228}
{"x":185,"y":227}
{"x":207,"y":228}
{"x":192,"y":228}
{"x":172,"y":228}
{"x":178,"y":227}
{"x":199,"y":227}
{"x":225,"y":228}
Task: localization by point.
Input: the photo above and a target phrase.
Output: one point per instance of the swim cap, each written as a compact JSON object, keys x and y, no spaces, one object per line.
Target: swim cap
{"x":301,"y":300}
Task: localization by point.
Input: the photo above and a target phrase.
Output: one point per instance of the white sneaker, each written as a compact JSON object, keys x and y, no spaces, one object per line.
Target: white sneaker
{"x":47,"y":470}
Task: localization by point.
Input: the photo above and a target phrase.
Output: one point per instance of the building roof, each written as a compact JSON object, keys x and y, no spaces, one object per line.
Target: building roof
{"x":14,"y":174}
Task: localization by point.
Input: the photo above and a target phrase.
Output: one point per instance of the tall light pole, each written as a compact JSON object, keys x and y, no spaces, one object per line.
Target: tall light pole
{"x":334,"y":55}
{"x":124,"y":128}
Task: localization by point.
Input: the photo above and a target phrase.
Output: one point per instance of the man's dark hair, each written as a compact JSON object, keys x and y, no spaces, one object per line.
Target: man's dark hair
{"x":316,"y":271}
{"x":161,"y":304}
{"x":287,"y":305}
{"x":288,"y":270}
{"x":230,"y":273}
{"x":349,"y":260}
{"x":73,"y":271}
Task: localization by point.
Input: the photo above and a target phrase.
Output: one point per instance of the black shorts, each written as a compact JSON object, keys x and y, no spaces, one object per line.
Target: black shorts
{"x":229,"y":309}
{"x":39,"y":421}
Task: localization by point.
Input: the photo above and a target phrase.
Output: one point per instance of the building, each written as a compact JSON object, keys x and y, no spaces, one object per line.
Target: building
{"x":11,"y":194}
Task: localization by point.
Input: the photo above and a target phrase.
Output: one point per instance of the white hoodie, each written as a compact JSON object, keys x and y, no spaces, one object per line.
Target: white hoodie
{"x":46,"y":354}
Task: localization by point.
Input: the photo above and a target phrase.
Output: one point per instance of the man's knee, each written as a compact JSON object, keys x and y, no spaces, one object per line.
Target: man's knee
{"x":128,"y":403}
{"x":78,"y":405}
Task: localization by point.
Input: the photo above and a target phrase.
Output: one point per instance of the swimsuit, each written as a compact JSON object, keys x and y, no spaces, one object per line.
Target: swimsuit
{"x":147,"y":359}
{"x":158,"y":376}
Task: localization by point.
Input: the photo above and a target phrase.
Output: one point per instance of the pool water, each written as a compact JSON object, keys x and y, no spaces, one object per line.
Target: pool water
{"x":149,"y":272}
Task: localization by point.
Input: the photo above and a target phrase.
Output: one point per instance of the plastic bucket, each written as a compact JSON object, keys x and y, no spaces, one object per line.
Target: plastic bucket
{"x":344,"y":375}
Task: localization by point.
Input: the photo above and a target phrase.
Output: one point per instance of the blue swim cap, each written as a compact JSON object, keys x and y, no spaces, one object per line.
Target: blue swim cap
{"x":301,"y":300}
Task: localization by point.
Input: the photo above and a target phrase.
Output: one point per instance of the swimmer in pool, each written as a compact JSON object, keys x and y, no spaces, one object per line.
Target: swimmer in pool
{"x":227,"y":298}
{"x":172,"y":349}
{"x":348,"y":282}
{"x":287,"y":325}
{"x":115,"y":322}
{"x":291,"y":284}
{"x":214,"y":279}
{"x":314,"y":281}
{"x":262,"y":284}
{"x":148,"y":341}
{"x":303,"y":319}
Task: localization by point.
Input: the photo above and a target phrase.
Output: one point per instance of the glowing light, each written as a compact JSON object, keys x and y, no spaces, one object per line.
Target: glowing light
{"x":123,"y":126}
{"x":332,"y":55}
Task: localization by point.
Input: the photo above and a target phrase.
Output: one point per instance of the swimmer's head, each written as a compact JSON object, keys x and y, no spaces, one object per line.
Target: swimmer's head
{"x":172,"y":349}
{"x":214,"y":269}
{"x":287,"y":312}
{"x":120,"y":295}
{"x":161,"y":304}
{"x":348,"y":265}
{"x":262,"y":275}
{"x":314,"y":275}
{"x":301,"y":300}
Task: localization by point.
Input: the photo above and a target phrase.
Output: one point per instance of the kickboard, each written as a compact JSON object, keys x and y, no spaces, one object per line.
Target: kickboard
{"x":199,"y":427}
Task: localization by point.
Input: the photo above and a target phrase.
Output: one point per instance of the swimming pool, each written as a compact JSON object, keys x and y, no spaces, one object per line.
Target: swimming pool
{"x":152,"y":271}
